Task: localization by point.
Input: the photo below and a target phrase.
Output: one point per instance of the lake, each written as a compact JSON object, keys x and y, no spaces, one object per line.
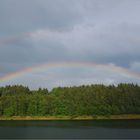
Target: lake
{"x":109,"y":129}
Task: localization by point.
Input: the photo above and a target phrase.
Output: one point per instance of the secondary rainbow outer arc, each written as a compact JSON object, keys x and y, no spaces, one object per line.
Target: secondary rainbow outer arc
{"x":114,"y":68}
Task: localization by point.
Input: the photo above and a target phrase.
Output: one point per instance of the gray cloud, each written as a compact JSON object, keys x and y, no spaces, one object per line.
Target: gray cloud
{"x":44,"y":31}
{"x":24,"y":16}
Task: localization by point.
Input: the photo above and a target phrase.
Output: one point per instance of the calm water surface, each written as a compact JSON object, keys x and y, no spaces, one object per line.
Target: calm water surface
{"x":70,"y":129}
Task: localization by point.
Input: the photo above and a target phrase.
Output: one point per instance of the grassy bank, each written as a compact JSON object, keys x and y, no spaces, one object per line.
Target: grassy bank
{"x":111,"y":117}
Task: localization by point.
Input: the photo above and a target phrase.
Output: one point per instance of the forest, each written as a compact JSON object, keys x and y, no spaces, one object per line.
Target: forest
{"x":92,"y":100}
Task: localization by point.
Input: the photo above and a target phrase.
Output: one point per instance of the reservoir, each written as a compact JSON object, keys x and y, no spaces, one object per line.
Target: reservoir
{"x":74,"y":129}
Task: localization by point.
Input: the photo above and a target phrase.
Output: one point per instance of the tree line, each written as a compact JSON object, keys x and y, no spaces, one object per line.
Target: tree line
{"x":86,"y":100}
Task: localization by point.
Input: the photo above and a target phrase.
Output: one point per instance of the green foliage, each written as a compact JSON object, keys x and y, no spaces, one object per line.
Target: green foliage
{"x":91,"y":100}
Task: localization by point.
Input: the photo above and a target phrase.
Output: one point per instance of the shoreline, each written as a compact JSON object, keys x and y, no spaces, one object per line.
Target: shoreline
{"x":111,"y":117}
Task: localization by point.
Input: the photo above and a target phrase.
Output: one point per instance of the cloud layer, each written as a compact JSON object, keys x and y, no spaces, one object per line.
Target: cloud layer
{"x":46,"y":31}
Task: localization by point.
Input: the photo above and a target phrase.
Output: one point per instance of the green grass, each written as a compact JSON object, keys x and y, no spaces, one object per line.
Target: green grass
{"x":125,"y":116}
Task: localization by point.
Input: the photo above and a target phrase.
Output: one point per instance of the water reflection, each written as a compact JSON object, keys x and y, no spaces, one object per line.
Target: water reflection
{"x":127,"y":124}
{"x":70,"y":129}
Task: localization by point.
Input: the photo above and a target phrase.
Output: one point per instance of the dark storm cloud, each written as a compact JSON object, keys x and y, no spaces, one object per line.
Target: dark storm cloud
{"x":24,"y":16}
{"x":44,"y":31}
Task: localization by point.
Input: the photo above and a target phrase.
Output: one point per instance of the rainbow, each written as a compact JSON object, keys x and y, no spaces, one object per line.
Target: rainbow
{"x":117,"y":69}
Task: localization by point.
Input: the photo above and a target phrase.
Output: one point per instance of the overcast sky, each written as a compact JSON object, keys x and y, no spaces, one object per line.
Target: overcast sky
{"x":36,"y":32}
